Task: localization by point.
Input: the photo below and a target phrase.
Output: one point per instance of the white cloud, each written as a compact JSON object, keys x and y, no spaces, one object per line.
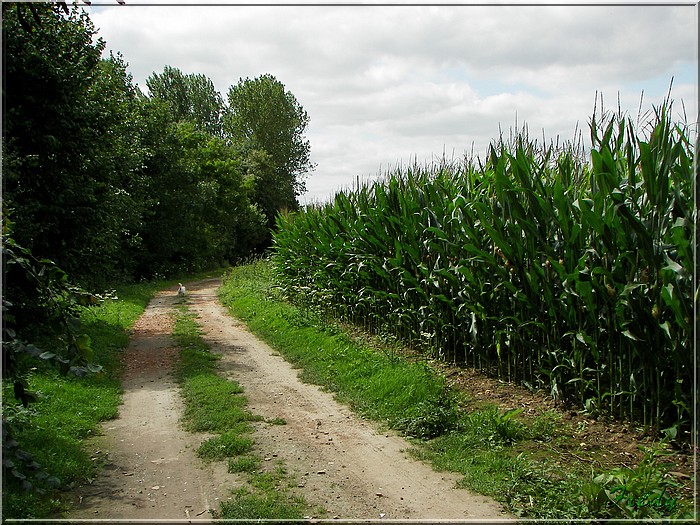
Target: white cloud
{"x":384,"y":84}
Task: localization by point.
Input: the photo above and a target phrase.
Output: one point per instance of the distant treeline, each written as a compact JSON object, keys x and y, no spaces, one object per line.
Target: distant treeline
{"x":111,"y":184}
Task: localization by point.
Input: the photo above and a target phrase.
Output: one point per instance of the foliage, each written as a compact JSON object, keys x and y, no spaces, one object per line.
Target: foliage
{"x":43,"y":442}
{"x":535,"y":265}
{"x":70,"y":142}
{"x":269,"y":123}
{"x":500,"y":453}
{"x":100,"y":184}
{"x":190,"y":97}
{"x":643,"y":492}
{"x":429,"y":419}
{"x":407,"y":396}
{"x":199,"y":212}
{"x":111,"y":184}
{"x":496,"y":428}
{"x":45,"y":294}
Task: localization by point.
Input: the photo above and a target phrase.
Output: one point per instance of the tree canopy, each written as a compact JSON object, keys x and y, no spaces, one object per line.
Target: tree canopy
{"x":110,"y":183}
{"x":103,"y":184}
{"x":269,"y":123}
{"x":191,"y":97}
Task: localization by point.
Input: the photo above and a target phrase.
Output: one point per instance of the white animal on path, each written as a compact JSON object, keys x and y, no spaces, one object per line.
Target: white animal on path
{"x":181,"y":291}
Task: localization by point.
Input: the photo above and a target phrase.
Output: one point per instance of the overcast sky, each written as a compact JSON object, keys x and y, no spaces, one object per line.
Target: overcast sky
{"x":392,"y":84}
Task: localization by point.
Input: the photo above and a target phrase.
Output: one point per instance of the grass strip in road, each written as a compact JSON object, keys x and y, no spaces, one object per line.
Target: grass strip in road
{"x":498,"y":453}
{"x":217,"y":405}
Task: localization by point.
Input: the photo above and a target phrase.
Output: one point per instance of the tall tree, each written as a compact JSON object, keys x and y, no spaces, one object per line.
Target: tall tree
{"x":69,"y":152}
{"x":191,"y":97}
{"x":264,"y":117}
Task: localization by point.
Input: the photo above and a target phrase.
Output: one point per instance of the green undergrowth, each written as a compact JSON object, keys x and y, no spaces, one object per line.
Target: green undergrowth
{"x":68,"y":410}
{"x":217,"y":405}
{"x":499,"y":453}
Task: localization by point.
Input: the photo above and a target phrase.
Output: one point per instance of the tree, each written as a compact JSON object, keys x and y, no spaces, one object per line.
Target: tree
{"x":70,"y":141}
{"x":199,"y":212}
{"x":191,"y":97}
{"x":263,"y":117}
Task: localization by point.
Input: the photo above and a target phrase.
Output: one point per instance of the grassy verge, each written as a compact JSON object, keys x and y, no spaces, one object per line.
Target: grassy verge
{"x":499,"y":454}
{"x":266,"y":494}
{"x":405,"y":395}
{"x":69,"y":409}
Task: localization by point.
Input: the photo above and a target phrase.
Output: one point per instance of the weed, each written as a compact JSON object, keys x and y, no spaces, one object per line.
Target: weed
{"x":252,"y":506}
{"x":544,"y":425}
{"x":493,"y":427}
{"x":643,"y":492}
{"x":226,"y":445}
{"x":244,"y":464}
{"x":429,"y":419}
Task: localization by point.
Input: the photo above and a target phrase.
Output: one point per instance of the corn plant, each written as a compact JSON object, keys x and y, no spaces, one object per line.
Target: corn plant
{"x":543,"y":265}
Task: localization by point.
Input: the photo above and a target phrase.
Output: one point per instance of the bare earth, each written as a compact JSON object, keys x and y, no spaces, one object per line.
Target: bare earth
{"x":342,"y":464}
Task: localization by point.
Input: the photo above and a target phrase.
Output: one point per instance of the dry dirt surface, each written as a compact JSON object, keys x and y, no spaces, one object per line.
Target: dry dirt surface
{"x":150,"y":470}
{"x":341,"y":463}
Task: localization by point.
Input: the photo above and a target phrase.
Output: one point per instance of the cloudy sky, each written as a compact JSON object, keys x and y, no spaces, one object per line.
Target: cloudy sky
{"x":394,"y":84}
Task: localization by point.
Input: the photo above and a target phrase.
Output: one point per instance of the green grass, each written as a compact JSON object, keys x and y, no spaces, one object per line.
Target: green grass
{"x":68,"y":409}
{"x":266,"y":498}
{"x":405,"y":395}
{"x":244,"y":464}
{"x":217,"y":405}
{"x":212,"y":403}
{"x":498,"y":453}
{"x":227,"y":445}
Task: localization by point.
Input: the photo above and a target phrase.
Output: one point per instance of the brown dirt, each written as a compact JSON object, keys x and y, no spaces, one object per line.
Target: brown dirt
{"x":150,"y":471}
{"x":344,"y":465}
{"x":589,"y":442}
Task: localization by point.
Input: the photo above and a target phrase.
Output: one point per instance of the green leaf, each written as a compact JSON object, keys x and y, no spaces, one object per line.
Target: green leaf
{"x":630,"y":335}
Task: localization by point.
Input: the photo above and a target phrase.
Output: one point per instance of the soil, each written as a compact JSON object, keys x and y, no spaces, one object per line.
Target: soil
{"x":347,"y":467}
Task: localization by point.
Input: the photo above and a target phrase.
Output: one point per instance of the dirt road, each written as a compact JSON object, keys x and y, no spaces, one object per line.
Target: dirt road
{"x":342,"y":463}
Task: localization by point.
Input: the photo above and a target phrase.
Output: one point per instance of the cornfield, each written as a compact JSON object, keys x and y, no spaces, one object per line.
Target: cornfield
{"x":541,"y":265}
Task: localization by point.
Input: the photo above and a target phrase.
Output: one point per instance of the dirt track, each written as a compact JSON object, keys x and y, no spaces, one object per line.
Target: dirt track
{"x":341,"y":463}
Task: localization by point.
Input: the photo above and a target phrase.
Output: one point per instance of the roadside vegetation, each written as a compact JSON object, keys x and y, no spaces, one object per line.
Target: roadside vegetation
{"x":44,"y":453}
{"x":217,"y":405}
{"x":568,"y":271}
{"x":103,"y":184}
{"x":560,"y":270}
{"x":523,"y":462}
